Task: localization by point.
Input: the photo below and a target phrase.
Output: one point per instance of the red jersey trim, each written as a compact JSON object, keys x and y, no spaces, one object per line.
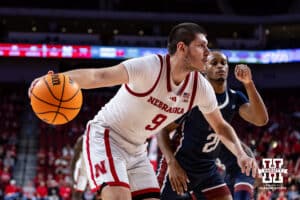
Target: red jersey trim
{"x":194,"y":90}
{"x":186,"y":80}
{"x":168,"y":73}
{"x":153,"y":87}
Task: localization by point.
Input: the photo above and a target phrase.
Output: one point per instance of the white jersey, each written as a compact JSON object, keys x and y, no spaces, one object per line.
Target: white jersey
{"x":151,"y":100}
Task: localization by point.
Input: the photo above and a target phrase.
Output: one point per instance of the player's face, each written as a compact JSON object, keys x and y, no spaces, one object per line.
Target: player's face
{"x":197,"y":53}
{"x":217,"y":66}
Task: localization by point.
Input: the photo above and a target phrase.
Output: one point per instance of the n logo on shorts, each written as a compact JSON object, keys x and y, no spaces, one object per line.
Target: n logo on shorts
{"x":100,"y":168}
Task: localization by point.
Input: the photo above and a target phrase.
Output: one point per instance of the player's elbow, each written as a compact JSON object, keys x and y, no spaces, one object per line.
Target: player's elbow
{"x":262,"y":121}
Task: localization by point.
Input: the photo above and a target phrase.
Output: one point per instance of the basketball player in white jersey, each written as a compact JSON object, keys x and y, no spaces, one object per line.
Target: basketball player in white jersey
{"x":155,"y":91}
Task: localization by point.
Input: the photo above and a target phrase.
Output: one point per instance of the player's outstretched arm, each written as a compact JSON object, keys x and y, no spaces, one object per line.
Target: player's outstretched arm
{"x":177,"y":175}
{"x":97,"y":78}
{"x":229,"y":138}
{"x":94,"y":77}
{"x":255,"y":111}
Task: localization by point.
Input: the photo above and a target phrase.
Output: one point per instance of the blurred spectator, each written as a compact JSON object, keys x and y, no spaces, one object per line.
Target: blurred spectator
{"x":39,"y":178}
{"x":65,"y":190}
{"x":293,"y":193}
{"x":29,"y":191}
{"x":281,"y":196}
{"x":12,"y":191}
{"x":8,"y":161}
{"x":53,"y":190}
{"x":41,"y":157}
{"x":264,"y":194}
{"x":53,"y":195}
{"x":88,"y":195}
{"x":42,"y":191}
{"x":67,"y":152}
{"x":49,"y":180}
{"x":5,"y":176}
{"x":51,"y":157}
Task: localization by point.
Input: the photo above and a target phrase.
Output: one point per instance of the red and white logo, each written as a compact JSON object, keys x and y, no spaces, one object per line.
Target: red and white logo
{"x":272,"y":171}
{"x":100,"y":168}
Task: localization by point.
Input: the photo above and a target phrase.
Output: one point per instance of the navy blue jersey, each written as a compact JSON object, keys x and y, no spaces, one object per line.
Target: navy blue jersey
{"x":200,"y":146}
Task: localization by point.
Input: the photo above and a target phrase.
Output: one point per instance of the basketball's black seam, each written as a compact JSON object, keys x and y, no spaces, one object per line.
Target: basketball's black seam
{"x":62,"y":94}
{"x":66,"y":100}
{"x":71,"y":96}
{"x":46,"y":102}
{"x":42,"y":113}
{"x":50,"y":89}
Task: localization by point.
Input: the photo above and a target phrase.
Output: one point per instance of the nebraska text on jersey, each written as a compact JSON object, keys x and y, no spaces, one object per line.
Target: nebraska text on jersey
{"x":158,"y":103}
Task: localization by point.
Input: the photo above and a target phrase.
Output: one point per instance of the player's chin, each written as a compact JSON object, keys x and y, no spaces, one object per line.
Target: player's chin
{"x":200,"y":66}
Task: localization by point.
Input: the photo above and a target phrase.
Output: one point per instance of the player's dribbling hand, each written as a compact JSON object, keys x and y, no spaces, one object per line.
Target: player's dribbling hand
{"x":247,"y":165}
{"x":243,"y":73}
{"x":34,"y":82}
{"x":178,"y":177}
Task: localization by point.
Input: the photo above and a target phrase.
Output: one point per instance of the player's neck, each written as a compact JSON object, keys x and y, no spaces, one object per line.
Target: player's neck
{"x":219,"y":87}
{"x":178,"y":70}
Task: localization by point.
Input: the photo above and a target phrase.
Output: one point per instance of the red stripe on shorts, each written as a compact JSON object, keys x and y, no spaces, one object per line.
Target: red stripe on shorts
{"x":109,"y":156}
{"x":89,"y":154}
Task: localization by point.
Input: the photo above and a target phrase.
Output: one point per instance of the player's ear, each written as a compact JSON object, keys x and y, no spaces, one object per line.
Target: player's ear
{"x":181,"y":47}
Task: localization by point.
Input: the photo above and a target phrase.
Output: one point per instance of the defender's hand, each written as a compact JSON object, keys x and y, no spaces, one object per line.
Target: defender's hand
{"x":178,"y":177}
{"x":243,"y":73}
{"x":247,"y":165}
{"x":34,"y":82}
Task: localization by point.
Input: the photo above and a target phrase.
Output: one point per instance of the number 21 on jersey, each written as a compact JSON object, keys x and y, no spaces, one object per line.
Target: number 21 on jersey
{"x":212,"y":144}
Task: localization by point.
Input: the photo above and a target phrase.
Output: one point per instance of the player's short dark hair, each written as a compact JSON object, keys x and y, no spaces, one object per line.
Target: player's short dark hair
{"x":220,"y":52}
{"x":184,"y":32}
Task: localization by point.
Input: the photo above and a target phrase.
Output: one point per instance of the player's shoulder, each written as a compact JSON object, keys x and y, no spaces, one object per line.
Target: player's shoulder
{"x":236,"y":92}
{"x":153,"y":58}
{"x":238,"y":96}
{"x":202,"y":81}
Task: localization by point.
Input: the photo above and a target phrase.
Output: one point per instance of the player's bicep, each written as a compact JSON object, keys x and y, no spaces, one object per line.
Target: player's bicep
{"x":111,"y":76}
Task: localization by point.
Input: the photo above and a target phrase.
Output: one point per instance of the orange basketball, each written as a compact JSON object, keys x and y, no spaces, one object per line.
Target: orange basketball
{"x":56,"y":99}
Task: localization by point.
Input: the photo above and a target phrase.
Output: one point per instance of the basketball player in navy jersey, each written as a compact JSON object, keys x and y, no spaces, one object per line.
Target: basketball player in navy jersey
{"x":196,"y":145}
{"x":155,"y":91}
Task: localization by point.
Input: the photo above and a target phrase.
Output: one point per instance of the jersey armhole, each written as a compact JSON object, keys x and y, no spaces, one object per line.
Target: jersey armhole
{"x":152,"y":88}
